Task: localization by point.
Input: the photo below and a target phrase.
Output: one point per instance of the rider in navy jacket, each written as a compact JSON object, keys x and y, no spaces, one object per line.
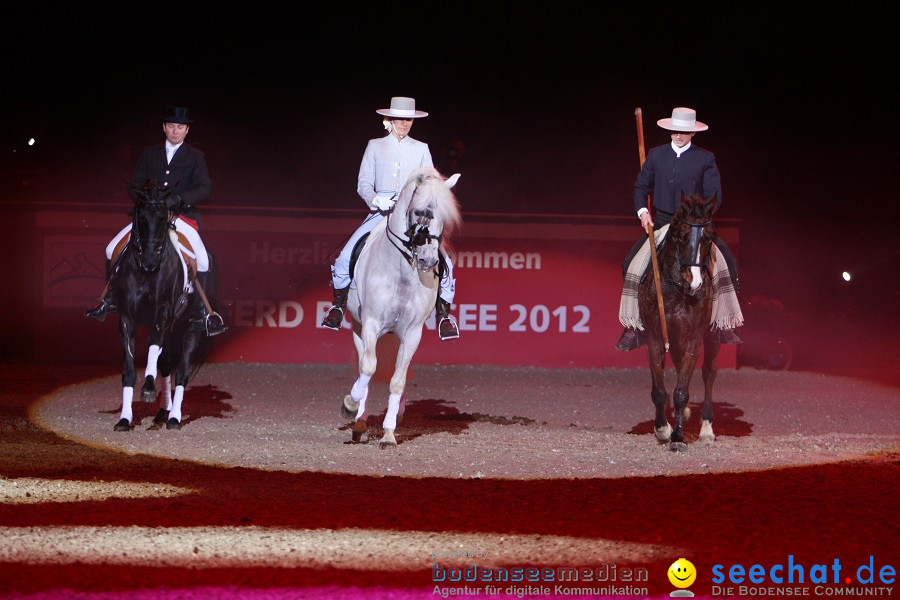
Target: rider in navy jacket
{"x":187,"y":174}
{"x":668,"y":176}
{"x":670,"y":171}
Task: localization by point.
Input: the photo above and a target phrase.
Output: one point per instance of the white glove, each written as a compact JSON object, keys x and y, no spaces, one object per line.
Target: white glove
{"x":381,"y":203}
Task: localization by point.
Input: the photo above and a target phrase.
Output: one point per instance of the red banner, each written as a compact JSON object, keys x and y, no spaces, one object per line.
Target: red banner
{"x":531,"y":290}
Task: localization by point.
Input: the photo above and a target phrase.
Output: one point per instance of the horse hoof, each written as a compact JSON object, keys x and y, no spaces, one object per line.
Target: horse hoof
{"x":173,"y":423}
{"x":148,"y":391}
{"x":123,"y":425}
{"x":360,"y":431}
{"x":678,"y":447}
{"x":349,"y":407}
{"x":388,"y":441}
{"x":160,"y":419}
{"x":706,"y":433}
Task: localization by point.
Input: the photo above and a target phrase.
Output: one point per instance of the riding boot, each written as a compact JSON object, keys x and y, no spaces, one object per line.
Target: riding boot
{"x":213,"y":323}
{"x":728,"y":336}
{"x":447,"y":329}
{"x":631,"y":339}
{"x":107,"y":304}
{"x":335,"y":315}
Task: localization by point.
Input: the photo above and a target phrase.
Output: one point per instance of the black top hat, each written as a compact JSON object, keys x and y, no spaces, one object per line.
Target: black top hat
{"x":178,"y":114}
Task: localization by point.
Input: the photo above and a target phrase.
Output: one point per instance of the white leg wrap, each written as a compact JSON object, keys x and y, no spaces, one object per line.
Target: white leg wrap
{"x":390,"y":418}
{"x":359,"y":392}
{"x":360,"y":388}
{"x":175,"y":411}
{"x":152,"y":358}
{"x":127,"y":395}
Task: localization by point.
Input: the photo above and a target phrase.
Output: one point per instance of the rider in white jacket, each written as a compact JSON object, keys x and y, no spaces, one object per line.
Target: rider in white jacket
{"x":386,"y":165}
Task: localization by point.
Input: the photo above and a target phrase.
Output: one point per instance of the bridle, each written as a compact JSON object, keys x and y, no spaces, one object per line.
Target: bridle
{"x":417,"y":233}
{"x":136,"y":239}
{"x":694,"y":244}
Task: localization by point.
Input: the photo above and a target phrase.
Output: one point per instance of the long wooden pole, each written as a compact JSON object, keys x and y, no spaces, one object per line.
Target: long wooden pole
{"x":659,"y":299}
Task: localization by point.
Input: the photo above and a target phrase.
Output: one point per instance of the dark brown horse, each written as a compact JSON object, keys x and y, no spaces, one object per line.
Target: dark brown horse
{"x":685,"y":264}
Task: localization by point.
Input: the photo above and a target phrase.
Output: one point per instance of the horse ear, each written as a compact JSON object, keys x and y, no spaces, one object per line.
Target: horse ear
{"x":136,"y":191}
{"x":451,"y":181}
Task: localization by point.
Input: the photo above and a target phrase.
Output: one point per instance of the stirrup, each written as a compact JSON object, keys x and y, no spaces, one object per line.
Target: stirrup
{"x":214,"y":327}
{"x":328,"y":323}
{"x":452,"y":330}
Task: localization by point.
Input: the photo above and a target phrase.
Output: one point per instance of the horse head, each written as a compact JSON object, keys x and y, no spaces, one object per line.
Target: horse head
{"x":429,"y":212}
{"x":691,"y":235}
{"x":151,"y":226}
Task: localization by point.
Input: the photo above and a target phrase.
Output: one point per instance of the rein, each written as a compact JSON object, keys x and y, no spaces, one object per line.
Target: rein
{"x":136,"y":231}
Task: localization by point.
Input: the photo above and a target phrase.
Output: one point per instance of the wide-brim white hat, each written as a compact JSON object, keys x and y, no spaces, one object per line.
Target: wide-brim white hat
{"x":683,"y":119}
{"x":402,"y":108}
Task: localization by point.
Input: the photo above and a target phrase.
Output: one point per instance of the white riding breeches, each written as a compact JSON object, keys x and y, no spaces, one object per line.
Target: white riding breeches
{"x":340,"y":271}
{"x":181,"y":227}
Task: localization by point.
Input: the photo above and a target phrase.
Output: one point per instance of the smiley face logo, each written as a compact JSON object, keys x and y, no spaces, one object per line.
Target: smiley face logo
{"x":682,"y":573}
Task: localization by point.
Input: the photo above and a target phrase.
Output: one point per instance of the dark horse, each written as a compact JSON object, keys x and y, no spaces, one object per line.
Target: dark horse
{"x":153,"y":289}
{"x":684,"y":272}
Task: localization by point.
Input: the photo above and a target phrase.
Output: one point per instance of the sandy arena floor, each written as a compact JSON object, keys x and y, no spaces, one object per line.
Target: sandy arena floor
{"x":261,"y":495}
{"x":488,"y":422}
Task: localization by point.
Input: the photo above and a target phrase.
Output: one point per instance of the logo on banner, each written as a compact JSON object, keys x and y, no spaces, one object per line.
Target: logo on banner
{"x":71,"y":276}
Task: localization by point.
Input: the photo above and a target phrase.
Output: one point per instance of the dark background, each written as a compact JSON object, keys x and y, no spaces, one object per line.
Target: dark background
{"x":535,"y":103}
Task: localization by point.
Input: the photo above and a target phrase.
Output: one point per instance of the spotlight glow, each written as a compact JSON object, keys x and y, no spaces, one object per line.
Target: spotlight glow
{"x":31,"y":142}
{"x":846,"y":276}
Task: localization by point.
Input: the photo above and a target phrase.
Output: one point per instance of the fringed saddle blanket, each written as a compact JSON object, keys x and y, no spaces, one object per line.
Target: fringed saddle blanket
{"x":726,"y":312}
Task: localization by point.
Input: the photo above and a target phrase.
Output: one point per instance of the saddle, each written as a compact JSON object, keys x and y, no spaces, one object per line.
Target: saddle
{"x":188,"y":263}
{"x":357,"y":249}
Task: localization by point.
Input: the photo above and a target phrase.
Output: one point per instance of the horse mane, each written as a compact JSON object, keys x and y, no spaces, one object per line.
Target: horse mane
{"x":444,"y":204}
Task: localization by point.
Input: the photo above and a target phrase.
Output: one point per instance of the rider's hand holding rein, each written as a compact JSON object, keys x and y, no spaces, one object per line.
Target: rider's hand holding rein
{"x":175,"y":203}
{"x":382,"y":204}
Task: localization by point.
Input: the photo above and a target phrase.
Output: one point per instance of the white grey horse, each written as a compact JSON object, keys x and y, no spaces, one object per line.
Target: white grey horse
{"x":395,"y":286}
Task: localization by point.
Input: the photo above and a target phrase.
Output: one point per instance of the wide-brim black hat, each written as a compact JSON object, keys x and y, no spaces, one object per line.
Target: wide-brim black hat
{"x":178,"y":114}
